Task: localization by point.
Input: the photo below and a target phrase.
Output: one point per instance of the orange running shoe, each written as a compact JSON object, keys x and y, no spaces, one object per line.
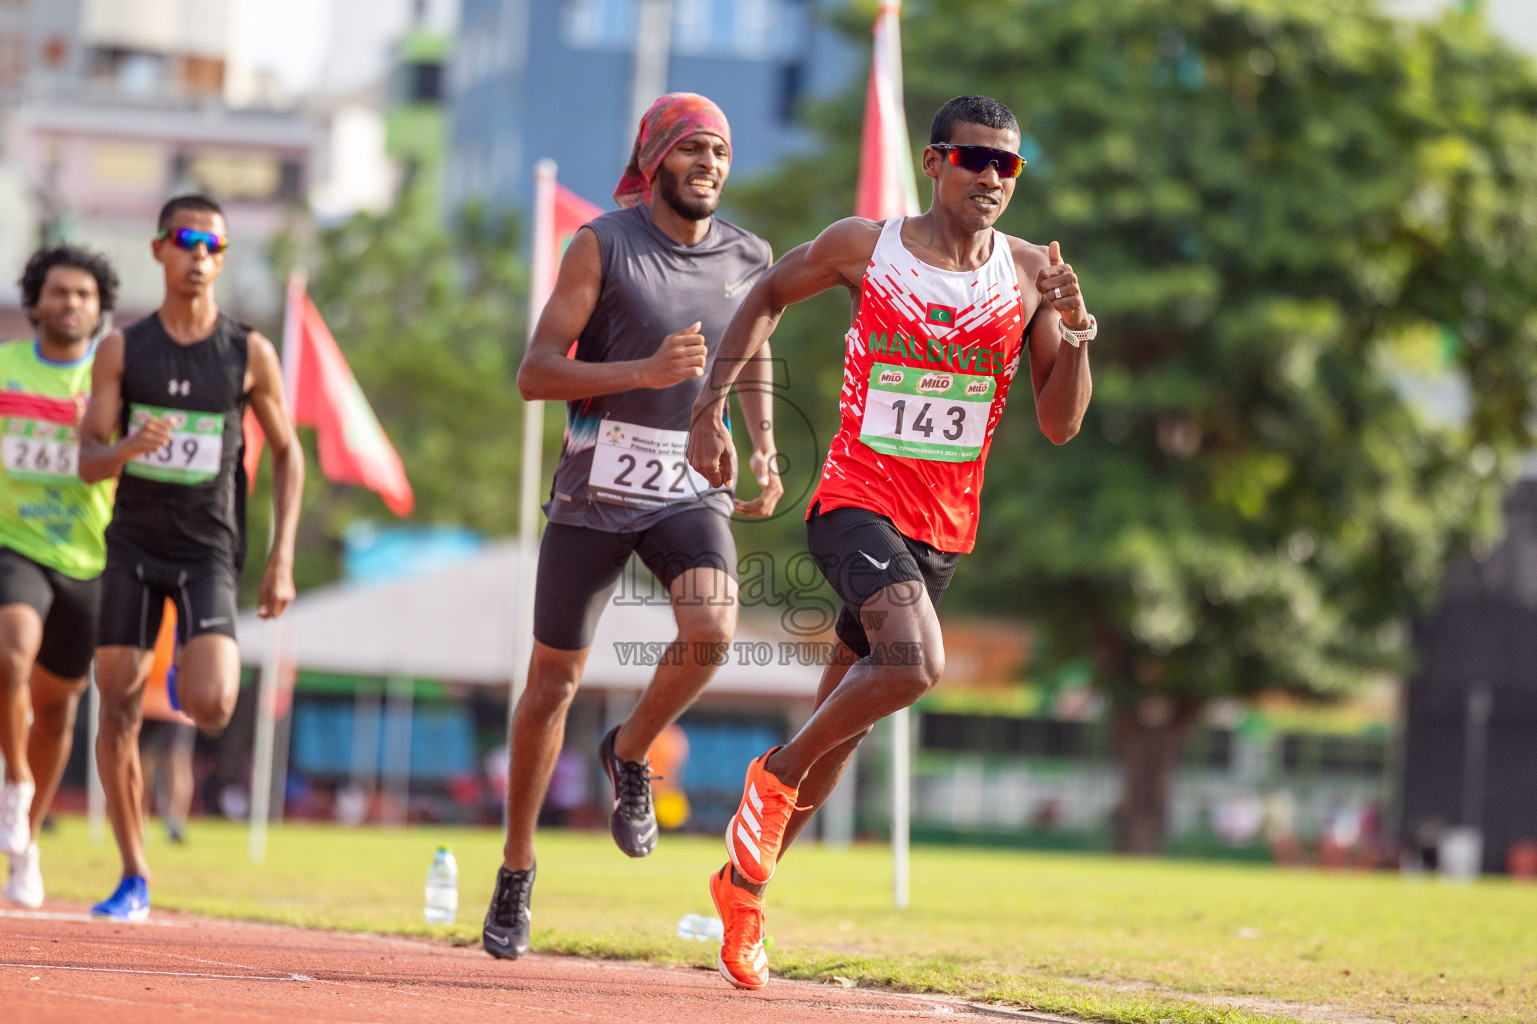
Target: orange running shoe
{"x":757,"y":829}
{"x":742,"y":960}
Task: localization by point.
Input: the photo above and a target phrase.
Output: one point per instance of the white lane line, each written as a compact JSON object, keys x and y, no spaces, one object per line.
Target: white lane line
{"x":60,"y":915}
{"x":164,"y":974}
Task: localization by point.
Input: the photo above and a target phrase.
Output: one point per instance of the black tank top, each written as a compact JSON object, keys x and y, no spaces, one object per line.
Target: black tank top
{"x":185,"y":504}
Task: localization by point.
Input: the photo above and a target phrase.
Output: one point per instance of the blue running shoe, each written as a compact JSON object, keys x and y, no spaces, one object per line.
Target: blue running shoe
{"x":129,"y":903}
{"x":170,"y":687}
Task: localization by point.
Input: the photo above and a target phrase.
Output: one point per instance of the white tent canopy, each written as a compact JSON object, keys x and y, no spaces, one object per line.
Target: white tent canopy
{"x":454,"y":625}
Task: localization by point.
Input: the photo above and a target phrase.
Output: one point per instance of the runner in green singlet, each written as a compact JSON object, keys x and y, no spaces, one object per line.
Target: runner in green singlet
{"x":51,"y":546}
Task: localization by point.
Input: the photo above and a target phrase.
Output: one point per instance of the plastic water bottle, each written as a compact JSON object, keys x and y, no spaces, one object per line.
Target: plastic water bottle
{"x":442,"y":888}
{"x":698,"y":926}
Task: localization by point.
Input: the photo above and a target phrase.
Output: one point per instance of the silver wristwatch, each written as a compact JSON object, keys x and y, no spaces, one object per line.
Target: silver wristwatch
{"x":1076,"y":338}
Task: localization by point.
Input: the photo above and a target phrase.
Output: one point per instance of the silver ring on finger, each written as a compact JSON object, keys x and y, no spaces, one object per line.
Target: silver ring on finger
{"x":1059,"y":291}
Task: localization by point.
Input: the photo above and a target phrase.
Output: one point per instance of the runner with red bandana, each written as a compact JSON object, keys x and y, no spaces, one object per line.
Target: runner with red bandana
{"x":945,"y":309}
{"x":647,"y":291}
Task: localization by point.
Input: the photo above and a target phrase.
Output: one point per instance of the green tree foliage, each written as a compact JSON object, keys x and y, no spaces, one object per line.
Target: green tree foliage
{"x":1285,"y":214}
{"x":433,"y":322}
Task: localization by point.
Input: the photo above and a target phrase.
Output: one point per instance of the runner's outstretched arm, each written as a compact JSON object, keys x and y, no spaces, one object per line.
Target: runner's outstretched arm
{"x":265,"y":393}
{"x":100,"y":459}
{"x":835,"y":257}
{"x":546,"y":374}
{"x":1059,"y":372}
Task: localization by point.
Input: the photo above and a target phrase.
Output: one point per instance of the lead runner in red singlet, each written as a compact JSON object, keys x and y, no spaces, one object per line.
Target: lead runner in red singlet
{"x":942,"y":304}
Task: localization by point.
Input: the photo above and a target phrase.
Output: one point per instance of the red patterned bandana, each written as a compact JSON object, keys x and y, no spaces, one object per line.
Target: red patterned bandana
{"x":670,"y":120}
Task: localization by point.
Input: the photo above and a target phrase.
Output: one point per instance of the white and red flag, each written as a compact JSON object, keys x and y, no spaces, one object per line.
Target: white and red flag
{"x":887,"y":186}
{"x":559,"y":214}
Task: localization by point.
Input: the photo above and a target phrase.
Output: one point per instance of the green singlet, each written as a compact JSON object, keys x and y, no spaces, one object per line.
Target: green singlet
{"x":47,"y":513}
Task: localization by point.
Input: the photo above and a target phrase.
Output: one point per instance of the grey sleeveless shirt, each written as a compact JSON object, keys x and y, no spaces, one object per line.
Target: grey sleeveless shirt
{"x":652,"y":286}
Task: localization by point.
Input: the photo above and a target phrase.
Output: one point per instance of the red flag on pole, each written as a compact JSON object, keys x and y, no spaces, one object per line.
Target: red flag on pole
{"x":559,"y":214}
{"x":323,"y":394}
{"x":887,"y":187}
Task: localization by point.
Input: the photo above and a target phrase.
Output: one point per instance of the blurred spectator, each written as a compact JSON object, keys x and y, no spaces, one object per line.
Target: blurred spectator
{"x":669,"y":762}
{"x":166,"y":738}
{"x":1281,"y":827}
{"x":1521,"y":859}
{"x":165,"y":750}
{"x":568,"y":790}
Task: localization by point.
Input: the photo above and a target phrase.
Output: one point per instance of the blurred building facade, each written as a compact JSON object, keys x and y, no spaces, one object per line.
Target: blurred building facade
{"x":112,"y":106}
{"x":535,"y":79}
{"x":100,"y":170}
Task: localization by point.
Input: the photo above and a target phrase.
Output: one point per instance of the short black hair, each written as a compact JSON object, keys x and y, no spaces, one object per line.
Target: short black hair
{"x":982,"y":110}
{"x":188,"y":202}
{"x":44,"y":260}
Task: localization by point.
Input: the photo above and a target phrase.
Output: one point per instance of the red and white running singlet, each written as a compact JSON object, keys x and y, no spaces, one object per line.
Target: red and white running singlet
{"x":928,"y":365}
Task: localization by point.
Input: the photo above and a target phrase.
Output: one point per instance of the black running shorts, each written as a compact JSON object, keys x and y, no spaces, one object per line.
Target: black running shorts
{"x":861,"y":553}
{"x":67,"y":606}
{"x":134,"y":589}
{"x":579,"y":568}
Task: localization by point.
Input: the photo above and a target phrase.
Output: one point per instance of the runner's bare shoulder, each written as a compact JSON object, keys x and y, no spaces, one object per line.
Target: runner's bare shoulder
{"x":108,"y":354}
{"x":848,"y":245}
{"x":1028,"y":256}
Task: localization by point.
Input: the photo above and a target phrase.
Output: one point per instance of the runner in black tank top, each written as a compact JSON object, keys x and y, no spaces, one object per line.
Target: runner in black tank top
{"x":185,"y":503}
{"x":646,"y":291}
{"x":173,"y":389}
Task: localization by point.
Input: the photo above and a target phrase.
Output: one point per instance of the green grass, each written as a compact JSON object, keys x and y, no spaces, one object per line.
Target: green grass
{"x":1097,"y":937}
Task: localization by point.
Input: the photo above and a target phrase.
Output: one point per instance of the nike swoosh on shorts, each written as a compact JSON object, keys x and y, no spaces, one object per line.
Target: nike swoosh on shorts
{"x":878,"y":565}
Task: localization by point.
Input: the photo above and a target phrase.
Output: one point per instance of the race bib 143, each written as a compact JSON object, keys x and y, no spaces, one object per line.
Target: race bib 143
{"x":191,"y":456}
{"x":927,"y":414}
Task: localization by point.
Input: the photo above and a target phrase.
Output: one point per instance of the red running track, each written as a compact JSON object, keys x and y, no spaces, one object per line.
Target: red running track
{"x":61,"y":967}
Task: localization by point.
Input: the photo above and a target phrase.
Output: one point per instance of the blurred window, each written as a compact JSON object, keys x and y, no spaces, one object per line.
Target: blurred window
{"x":1310,"y":754}
{"x":236,"y":174}
{"x":1018,"y":737}
{"x":723,"y":29}
{"x":423,"y":82}
{"x":128,"y":167}
{"x":442,"y":740}
{"x":792,"y":85}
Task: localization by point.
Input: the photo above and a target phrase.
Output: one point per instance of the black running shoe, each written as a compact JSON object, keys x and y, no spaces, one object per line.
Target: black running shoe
{"x":505,"y":932}
{"x":633,"y":822}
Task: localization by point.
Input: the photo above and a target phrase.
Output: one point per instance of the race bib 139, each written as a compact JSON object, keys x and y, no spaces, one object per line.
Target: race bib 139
{"x":191,"y":456}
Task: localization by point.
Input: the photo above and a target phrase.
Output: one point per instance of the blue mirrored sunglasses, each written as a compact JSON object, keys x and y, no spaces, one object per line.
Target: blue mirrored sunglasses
{"x":188,"y":239}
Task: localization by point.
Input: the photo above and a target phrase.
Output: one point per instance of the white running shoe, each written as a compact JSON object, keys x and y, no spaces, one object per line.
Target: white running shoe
{"x":25,"y":885}
{"x":15,"y":817}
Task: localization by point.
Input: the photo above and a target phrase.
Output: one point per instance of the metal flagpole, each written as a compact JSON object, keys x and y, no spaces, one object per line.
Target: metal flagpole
{"x":887,"y":188}
{"x":653,"y":52}
{"x":267,"y":680}
{"x":901,"y":805}
{"x":261,"y":761}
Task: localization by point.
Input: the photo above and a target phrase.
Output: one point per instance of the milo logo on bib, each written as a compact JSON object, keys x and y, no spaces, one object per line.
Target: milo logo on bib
{"x":941,"y":417}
